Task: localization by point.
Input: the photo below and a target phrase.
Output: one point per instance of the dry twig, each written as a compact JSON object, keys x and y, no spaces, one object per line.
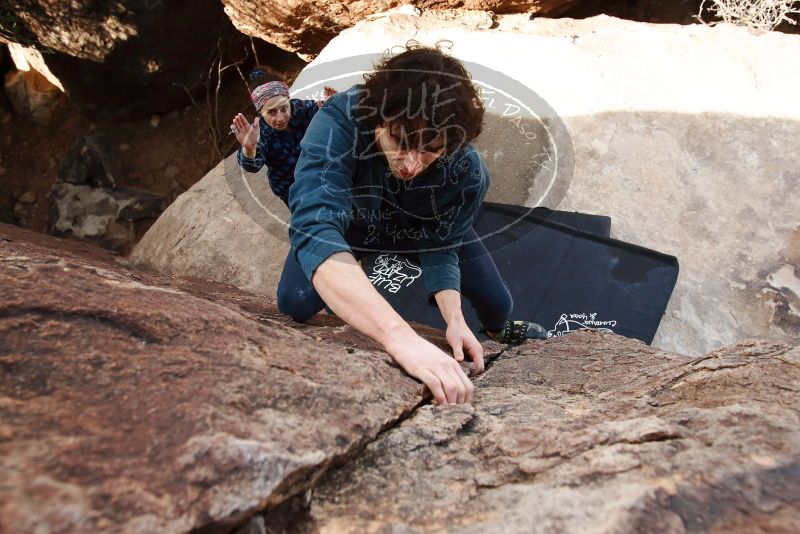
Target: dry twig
{"x":217,"y":126}
{"x":759,"y":14}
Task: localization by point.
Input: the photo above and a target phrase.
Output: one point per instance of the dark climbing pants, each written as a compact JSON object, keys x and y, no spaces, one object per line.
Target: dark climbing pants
{"x":481,"y":283}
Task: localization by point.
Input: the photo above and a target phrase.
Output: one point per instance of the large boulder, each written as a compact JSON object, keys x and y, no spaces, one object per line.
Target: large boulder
{"x":227,"y":227}
{"x":588,"y":433}
{"x":135,"y":402}
{"x":125,"y":59}
{"x":305,"y":27}
{"x":683,"y":135}
{"x":101,"y":215}
{"x":132,"y":402}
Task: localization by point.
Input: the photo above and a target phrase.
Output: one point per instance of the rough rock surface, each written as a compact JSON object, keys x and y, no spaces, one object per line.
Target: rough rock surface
{"x":135,"y":402}
{"x":125,"y":59}
{"x":692,"y":158}
{"x":589,"y":433}
{"x":32,"y":95}
{"x":132,"y":402}
{"x":86,"y":203}
{"x":228,"y":227}
{"x":306,"y":27}
{"x":91,"y":162}
{"x":27,"y":58}
{"x":101,"y":215}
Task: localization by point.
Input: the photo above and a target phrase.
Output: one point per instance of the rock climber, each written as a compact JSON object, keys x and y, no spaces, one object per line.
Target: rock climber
{"x":388,"y":166}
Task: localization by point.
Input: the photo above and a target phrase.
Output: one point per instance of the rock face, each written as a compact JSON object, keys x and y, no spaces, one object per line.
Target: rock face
{"x":26,"y":58}
{"x":589,"y":433}
{"x":306,"y":27}
{"x":33,"y":91}
{"x":91,"y":162}
{"x":126,"y":59}
{"x":691,"y":158}
{"x":101,"y":215}
{"x":137,"y":403}
{"x":228,"y":227}
{"x":86,"y":203}
{"x":134,"y":402}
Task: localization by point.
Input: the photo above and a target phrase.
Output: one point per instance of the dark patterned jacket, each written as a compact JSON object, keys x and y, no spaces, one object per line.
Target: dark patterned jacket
{"x":279,"y":150}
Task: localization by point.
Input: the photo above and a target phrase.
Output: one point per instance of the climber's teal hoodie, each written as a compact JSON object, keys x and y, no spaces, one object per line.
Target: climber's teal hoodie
{"x":342,"y":179}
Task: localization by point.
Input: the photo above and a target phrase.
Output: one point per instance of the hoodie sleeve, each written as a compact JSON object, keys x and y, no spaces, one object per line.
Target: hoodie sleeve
{"x":320,"y":199}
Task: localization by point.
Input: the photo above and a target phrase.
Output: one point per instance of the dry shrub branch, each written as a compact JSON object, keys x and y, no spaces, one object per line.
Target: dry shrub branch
{"x":759,"y":14}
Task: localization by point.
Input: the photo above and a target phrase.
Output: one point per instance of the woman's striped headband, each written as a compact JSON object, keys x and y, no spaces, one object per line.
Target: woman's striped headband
{"x":264,"y":92}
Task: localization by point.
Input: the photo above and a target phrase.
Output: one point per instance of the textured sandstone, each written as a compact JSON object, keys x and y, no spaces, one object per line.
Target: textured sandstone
{"x":589,"y":433}
{"x":306,"y":27}
{"x":28,"y":58}
{"x":136,"y":402}
{"x":132,"y":402}
{"x":32,"y":95}
{"x":227,"y":227}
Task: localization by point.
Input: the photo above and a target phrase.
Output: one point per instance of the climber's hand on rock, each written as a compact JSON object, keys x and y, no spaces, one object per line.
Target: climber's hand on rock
{"x":436,"y":369}
{"x":247,"y":134}
{"x":460,"y":337}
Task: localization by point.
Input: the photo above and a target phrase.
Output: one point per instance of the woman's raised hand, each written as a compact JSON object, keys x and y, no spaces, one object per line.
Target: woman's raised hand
{"x":327,"y":92}
{"x":247,"y":134}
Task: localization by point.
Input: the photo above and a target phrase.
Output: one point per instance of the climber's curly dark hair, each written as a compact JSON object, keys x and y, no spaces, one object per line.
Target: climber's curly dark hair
{"x":423,"y":82}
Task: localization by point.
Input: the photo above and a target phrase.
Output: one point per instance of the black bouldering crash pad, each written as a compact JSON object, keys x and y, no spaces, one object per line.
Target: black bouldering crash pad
{"x":562,"y":269}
